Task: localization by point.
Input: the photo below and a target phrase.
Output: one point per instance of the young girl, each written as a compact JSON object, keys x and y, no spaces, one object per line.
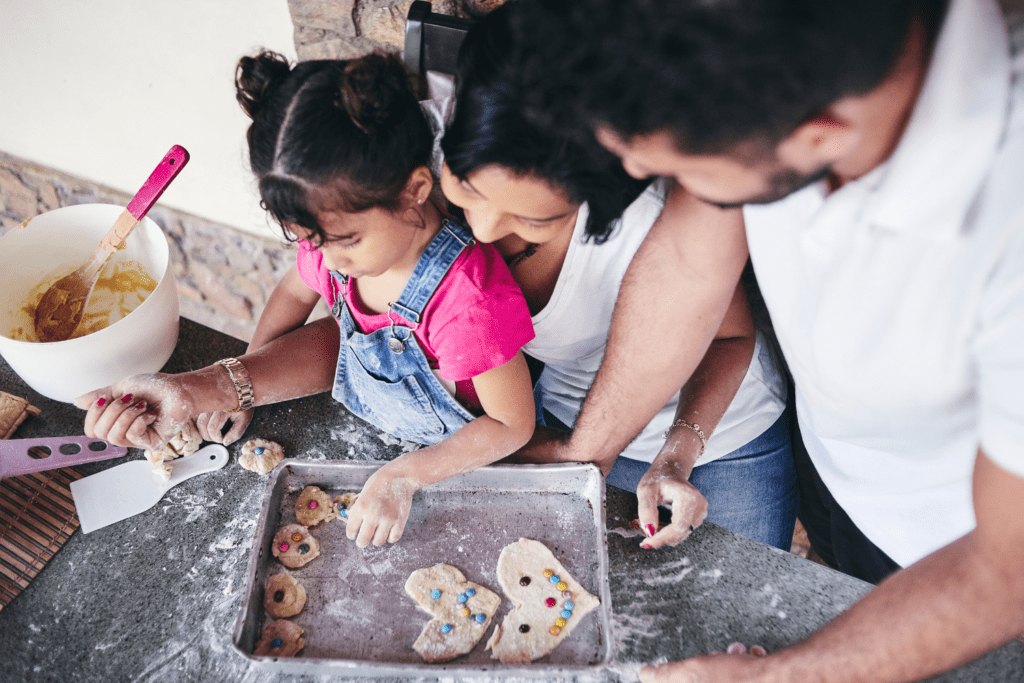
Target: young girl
{"x":431,"y":323}
{"x":569,"y":220}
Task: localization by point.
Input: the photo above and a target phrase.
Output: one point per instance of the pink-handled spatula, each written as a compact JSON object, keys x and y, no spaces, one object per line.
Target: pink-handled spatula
{"x":60,"y":310}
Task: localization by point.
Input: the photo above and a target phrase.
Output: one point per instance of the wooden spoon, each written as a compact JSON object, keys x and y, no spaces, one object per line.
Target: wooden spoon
{"x":60,"y":310}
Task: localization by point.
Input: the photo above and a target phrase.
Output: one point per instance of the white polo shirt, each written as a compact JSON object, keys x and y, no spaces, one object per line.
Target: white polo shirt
{"x":898,"y":300}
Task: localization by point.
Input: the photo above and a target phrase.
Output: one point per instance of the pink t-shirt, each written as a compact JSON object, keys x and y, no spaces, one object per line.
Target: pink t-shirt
{"x":476,"y":321}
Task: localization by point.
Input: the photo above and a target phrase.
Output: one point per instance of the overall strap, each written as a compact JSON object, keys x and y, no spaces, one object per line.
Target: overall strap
{"x":434,"y":263}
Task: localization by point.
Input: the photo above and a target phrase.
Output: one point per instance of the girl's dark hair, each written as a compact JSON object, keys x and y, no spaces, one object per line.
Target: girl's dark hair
{"x":490,"y":128}
{"x":330,"y":135}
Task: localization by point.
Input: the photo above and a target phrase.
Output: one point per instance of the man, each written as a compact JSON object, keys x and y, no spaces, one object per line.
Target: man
{"x":878,"y":149}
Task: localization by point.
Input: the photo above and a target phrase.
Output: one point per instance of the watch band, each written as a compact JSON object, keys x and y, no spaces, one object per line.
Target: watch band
{"x":243,"y":383}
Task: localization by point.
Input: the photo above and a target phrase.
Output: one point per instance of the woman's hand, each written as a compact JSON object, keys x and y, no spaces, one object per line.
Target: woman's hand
{"x":667,"y":482}
{"x":144,"y":411}
{"x":211,"y":426}
{"x":380,"y":513}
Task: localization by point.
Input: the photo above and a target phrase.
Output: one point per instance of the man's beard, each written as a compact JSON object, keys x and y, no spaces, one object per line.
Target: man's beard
{"x":782,"y":183}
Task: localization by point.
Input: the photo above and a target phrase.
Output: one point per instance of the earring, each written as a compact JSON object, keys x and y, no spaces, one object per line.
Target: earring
{"x":419,"y":201}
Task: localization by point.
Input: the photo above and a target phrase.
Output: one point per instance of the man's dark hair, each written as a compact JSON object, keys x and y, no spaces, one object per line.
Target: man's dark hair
{"x":712,"y":73}
{"x":490,"y":128}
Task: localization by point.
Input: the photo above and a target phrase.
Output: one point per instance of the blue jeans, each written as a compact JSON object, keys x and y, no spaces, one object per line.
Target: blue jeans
{"x":752,"y":491}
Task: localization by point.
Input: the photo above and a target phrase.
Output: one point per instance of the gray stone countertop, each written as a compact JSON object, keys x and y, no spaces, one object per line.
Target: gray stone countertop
{"x":156,"y":597}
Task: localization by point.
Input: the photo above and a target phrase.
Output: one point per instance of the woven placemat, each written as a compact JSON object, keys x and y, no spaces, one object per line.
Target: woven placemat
{"x":37,"y":513}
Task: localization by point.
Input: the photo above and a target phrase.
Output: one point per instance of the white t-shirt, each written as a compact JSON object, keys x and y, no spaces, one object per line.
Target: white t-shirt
{"x":898,"y":300}
{"x":572,"y":331}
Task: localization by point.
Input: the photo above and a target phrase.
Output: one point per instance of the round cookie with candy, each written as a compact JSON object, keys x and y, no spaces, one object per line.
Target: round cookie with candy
{"x":294,"y":546}
{"x":280,"y":638}
{"x":314,"y":506}
{"x":284,"y":596}
{"x":260,"y":456}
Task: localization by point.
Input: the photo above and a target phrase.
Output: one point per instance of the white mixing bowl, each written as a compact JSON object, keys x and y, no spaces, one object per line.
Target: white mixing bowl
{"x":59,"y":241}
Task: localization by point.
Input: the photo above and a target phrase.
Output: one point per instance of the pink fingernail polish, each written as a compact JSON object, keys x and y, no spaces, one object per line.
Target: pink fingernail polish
{"x":140,"y":404}
{"x":101,"y":402}
{"x":645,"y":546}
{"x":650,"y":529}
{"x":127,"y":398}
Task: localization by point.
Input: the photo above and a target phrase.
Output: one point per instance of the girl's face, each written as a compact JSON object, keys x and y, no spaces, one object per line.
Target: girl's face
{"x":365,"y":244}
{"x":498,"y":204}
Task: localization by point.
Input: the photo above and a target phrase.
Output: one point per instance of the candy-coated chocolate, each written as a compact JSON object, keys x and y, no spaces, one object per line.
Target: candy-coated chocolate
{"x":548,"y":573}
{"x":435,"y":594}
{"x":554,"y":578}
{"x":566,"y":613}
{"x":525,"y":581}
{"x":284,"y":547}
{"x":258,"y":450}
{"x":344,"y":513}
{"x":313,"y":505}
{"x":568,"y":605}
{"x":464,"y":611}
{"x":567,"y":594}
{"x":480,"y":618}
{"x":554,"y":630}
{"x":561,"y":585}
{"x":296,"y":537}
{"x":560,"y":622}
{"x":524,"y":628}
{"x":446,"y":628}
{"x":276,"y":642}
{"x":278,"y":596}
{"x":550,"y":602}
{"x":462,"y":597}
{"x":303,"y":549}
{"x":470,"y":592}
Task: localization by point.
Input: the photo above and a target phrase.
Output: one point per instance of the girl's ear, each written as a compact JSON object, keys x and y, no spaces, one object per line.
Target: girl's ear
{"x":419,"y":185}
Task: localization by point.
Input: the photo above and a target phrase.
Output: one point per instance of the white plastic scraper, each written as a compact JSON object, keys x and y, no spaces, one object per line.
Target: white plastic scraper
{"x":126,"y":490}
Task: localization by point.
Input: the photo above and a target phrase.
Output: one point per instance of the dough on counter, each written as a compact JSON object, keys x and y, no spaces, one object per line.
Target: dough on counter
{"x":314,"y":506}
{"x":283,"y":596}
{"x":185,"y":443}
{"x":343,"y":502}
{"x":294,"y":546}
{"x":461,"y":609}
{"x":281,"y":638}
{"x":260,"y":456}
{"x":547,"y":603}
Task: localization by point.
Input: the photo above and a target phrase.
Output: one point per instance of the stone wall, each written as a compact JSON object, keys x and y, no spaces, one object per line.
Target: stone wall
{"x":224,"y":275}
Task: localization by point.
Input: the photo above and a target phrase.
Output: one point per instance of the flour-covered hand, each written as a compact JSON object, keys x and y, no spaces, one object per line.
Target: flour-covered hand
{"x":144,"y":411}
{"x":667,"y":483}
{"x":738,"y":666}
{"x":211,"y":425}
{"x":382,"y":509}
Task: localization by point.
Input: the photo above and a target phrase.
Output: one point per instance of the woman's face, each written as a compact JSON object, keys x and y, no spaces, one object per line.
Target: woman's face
{"x":498,"y":204}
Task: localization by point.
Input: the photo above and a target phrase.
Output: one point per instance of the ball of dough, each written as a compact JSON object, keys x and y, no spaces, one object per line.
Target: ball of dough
{"x":281,"y":638}
{"x":314,"y":506}
{"x":284,"y":596}
{"x":260,"y":456}
{"x":294,"y":546}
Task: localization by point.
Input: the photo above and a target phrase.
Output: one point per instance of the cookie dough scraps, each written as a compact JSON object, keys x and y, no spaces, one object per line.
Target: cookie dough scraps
{"x":185,"y":443}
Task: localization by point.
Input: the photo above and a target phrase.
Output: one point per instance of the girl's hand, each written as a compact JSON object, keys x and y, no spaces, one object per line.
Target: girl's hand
{"x":144,"y":411}
{"x":211,"y":426}
{"x":667,"y":482}
{"x":380,"y":513}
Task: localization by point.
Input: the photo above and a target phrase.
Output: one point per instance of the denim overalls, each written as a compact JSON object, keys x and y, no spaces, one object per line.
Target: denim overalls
{"x":384,"y":377}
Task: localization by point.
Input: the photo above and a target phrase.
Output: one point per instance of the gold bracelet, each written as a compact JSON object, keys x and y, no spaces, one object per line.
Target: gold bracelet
{"x":695,"y":428}
{"x":243,"y":383}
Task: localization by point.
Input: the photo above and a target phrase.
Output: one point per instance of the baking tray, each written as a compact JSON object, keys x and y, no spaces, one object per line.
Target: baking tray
{"x":358,"y":620}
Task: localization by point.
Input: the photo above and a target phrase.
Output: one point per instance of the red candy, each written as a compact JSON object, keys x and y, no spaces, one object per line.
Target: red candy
{"x":284,"y":548}
{"x":312,"y":505}
{"x":550,"y":602}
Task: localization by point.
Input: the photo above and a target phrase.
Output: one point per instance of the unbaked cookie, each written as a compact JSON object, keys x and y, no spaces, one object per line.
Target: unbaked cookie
{"x":461,"y":610}
{"x":185,"y":443}
{"x":547,"y":603}
{"x":314,"y":506}
{"x":281,"y":638}
{"x":343,"y":502}
{"x":260,"y":456}
{"x":294,"y":546}
{"x":284,"y":596}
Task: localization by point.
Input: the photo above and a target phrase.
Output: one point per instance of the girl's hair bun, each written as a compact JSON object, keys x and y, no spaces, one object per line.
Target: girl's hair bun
{"x":372,"y":90}
{"x":256,"y":76}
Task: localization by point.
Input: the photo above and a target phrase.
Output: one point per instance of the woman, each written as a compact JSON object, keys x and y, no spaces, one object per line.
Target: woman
{"x":568,"y":220}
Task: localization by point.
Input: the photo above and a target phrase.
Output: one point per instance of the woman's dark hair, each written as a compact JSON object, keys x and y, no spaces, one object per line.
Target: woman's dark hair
{"x":490,"y":128}
{"x":330,"y":135}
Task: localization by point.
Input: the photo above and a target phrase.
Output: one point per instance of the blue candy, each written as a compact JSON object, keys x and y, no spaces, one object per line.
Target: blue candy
{"x":568,"y":604}
{"x":259,"y":451}
{"x":566,"y":613}
{"x":446,"y":628}
{"x":480,"y":618}
{"x":435,"y":594}
{"x":463,"y":597}
{"x":276,"y":642}
{"x":554,"y":579}
{"x":470,"y":592}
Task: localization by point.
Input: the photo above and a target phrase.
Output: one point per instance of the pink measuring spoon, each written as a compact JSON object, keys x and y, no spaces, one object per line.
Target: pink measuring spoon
{"x":60,"y":310}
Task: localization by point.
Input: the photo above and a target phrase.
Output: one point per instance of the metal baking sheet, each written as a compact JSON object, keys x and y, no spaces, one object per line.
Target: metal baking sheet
{"x":358,"y":620}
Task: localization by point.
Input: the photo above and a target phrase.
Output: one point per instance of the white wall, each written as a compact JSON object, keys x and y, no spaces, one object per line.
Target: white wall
{"x":103,"y":88}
